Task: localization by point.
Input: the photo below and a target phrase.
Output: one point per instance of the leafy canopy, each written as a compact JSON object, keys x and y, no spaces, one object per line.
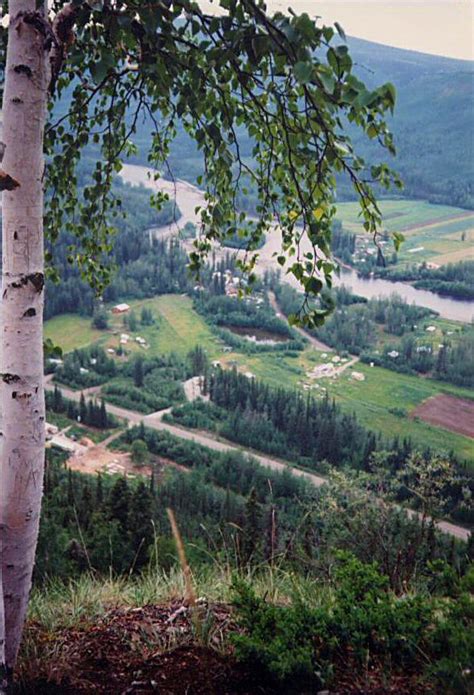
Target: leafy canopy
{"x":284,"y":79}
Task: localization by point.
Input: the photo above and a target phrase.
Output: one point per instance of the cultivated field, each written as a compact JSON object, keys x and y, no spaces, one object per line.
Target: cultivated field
{"x":446,"y":233}
{"x":454,"y":414}
{"x":383,"y":400}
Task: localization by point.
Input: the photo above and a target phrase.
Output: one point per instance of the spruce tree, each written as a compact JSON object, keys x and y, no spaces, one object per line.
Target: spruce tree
{"x":140,"y":528}
{"x":138,"y":372}
{"x":82,"y":409}
{"x":119,"y":502}
{"x":103,"y":418}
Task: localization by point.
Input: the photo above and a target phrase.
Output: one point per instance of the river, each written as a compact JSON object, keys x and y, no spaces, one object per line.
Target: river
{"x":447,"y":308}
{"x":188,"y":197}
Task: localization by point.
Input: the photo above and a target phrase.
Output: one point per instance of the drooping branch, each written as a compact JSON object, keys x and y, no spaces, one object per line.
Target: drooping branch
{"x":221,"y":75}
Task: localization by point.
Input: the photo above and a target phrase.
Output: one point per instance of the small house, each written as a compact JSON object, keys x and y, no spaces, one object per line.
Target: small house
{"x":120,"y":308}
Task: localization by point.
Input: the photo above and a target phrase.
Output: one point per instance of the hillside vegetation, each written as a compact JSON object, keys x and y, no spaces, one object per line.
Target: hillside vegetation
{"x":291,"y":589}
{"x":432,"y":125}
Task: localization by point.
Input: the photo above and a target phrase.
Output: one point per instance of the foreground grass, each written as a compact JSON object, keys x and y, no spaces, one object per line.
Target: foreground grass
{"x":81,"y":603}
{"x":58,"y":605}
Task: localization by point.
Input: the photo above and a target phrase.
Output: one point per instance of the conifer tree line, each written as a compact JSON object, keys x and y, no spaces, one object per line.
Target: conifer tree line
{"x":452,"y":279}
{"x":287,"y":423}
{"x":91,"y":413}
{"x":230,"y":510}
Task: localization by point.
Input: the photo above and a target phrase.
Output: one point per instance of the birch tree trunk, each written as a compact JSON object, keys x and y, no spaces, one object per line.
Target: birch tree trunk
{"x":21,"y":343}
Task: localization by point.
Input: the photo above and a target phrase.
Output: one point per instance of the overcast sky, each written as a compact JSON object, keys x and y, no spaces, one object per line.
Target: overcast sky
{"x":443,"y":27}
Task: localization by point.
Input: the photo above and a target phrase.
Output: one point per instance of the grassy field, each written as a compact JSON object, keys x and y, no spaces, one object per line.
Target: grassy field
{"x":377,"y":400}
{"x":445,"y":233}
{"x":178,"y":328}
{"x":71,"y":331}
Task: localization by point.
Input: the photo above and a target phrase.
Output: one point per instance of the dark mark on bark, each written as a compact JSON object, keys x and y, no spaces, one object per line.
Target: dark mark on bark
{"x":14,"y":394}
{"x":17,"y":100}
{"x":7,"y":182}
{"x":10,"y":378}
{"x":38,"y":21}
{"x":29,"y":312}
{"x":36,"y":279}
{"x":15,"y":235}
{"x":23,"y":70}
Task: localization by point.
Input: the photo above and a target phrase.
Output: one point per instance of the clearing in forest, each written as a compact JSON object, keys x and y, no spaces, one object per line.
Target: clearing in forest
{"x":437,"y":233}
{"x":454,"y":414}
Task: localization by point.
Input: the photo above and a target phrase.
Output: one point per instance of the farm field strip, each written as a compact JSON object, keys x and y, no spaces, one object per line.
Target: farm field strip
{"x":179,"y":328}
{"x":407,"y":215}
{"x":437,"y":233}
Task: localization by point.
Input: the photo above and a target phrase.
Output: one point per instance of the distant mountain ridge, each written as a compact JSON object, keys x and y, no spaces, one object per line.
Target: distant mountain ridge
{"x":434,"y":118}
{"x":433,"y":124}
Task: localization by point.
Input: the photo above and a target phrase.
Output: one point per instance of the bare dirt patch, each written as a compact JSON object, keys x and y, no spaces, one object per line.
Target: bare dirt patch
{"x":98,"y":459}
{"x":454,"y":414}
{"x":154,"y":650}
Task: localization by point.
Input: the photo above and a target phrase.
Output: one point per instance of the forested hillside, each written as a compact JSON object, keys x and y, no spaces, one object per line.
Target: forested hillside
{"x":432,"y":124}
{"x":433,"y":119}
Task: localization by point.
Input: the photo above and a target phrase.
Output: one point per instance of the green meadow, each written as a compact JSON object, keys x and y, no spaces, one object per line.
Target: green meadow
{"x":382,"y":402}
{"x":71,"y":331}
{"x":446,"y":233}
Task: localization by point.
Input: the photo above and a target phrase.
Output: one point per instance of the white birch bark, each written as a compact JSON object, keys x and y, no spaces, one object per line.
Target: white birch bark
{"x":21,"y":342}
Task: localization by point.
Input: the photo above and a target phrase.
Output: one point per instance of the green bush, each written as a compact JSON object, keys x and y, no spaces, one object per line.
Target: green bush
{"x":360,"y":619}
{"x":283,"y":641}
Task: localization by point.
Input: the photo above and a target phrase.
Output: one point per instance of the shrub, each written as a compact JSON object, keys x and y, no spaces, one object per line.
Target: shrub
{"x":281,"y":640}
{"x":361,"y":619}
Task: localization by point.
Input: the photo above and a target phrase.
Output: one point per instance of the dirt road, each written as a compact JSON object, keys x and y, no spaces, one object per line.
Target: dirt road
{"x":207,"y":439}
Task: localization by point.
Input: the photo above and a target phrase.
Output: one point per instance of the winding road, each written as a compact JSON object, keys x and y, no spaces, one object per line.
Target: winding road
{"x":208,"y":439}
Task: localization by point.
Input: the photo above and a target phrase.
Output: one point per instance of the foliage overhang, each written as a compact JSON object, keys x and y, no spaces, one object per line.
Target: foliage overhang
{"x":284,"y":79}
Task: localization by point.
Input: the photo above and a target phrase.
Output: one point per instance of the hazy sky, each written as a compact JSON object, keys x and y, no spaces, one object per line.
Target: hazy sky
{"x":444,"y":27}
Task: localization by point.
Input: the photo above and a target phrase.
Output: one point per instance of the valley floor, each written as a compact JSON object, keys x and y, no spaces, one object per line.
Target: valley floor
{"x":179,"y":328}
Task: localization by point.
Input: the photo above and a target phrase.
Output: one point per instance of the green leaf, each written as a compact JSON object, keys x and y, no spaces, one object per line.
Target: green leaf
{"x":100,"y":69}
{"x":340,"y":31}
{"x":398,"y":239}
{"x":319,"y":212}
{"x":372,"y":131}
{"x":327,"y":81}
{"x":303,"y":72}
{"x":313,"y":285}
